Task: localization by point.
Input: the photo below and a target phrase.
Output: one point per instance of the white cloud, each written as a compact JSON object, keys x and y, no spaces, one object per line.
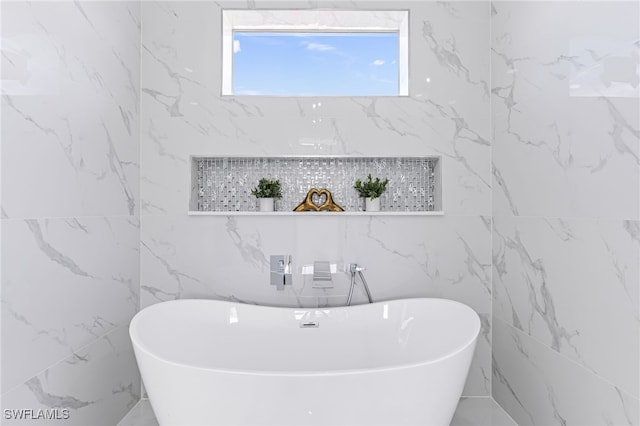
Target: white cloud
{"x":250,"y":92}
{"x":318,"y":46}
{"x":378,"y":62}
{"x":236,"y":46}
{"x":377,"y":79}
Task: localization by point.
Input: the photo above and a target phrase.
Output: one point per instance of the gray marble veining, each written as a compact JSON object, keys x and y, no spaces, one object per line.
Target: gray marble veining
{"x":559,"y":122}
{"x":89,"y":147}
{"x":537,"y":386}
{"x":541,"y":266}
{"x":70,"y":201}
{"x":566,"y":200}
{"x":53,"y":254}
{"x":54,"y":401}
{"x":54,"y":261}
{"x":98,"y":384}
{"x":431,"y":121}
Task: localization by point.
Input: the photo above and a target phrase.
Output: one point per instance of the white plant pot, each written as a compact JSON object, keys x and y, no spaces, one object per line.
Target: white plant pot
{"x":266,"y":204}
{"x":372,"y":205}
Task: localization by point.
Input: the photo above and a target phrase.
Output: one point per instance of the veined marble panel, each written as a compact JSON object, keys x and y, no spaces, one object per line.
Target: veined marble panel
{"x":479,"y":378}
{"x":557,"y":153}
{"x":183,"y":113}
{"x":434,"y":257}
{"x":70,"y":108}
{"x":98,"y":385}
{"x":573,"y":285}
{"x":228,"y":258}
{"x":537,"y":386}
{"x":65,"y":283}
{"x":166,"y":175}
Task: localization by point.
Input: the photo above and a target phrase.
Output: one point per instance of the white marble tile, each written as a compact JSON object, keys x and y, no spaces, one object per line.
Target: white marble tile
{"x":537,"y":386}
{"x":451,"y":65}
{"x":184,"y":115}
{"x":140,"y":415}
{"x":479,"y":377}
{"x":71,"y":110}
{"x":434,"y":257}
{"x":211,"y":257}
{"x":65,"y":282}
{"x":166,"y":173}
{"x":450,"y":75}
{"x":228,"y":256}
{"x":556,"y":153}
{"x":573,"y":284}
{"x":480,"y":411}
{"x":98,"y":384}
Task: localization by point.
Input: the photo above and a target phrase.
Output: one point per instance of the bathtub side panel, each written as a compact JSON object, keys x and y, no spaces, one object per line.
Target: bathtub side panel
{"x":426,"y":394}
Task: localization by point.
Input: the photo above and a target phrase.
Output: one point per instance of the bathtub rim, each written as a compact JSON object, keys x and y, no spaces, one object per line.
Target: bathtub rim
{"x":310,"y":373}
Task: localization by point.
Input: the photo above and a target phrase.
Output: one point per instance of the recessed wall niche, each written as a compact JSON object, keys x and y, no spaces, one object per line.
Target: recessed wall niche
{"x":222,"y":185}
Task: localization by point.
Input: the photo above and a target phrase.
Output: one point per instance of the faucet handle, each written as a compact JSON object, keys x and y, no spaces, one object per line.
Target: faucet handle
{"x":280,"y":263}
{"x":280,"y":270}
{"x":321,"y":271}
{"x":354,"y":267}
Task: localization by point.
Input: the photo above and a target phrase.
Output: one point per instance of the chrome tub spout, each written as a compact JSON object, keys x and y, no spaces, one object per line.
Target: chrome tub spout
{"x":353,"y":270}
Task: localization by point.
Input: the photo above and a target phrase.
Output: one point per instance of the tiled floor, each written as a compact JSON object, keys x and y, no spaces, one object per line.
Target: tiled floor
{"x":470,"y":412}
{"x":140,"y":415}
{"x":481,"y":411}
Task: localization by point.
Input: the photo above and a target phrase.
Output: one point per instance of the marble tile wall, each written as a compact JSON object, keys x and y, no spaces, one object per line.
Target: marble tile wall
{"x":70,"y":207}
{"x":446,"y":114}
{"x":566,"y":236}
{"x":89,"y":220}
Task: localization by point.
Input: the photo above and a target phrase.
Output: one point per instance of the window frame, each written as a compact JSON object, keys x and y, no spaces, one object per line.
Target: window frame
{"x":310,"y":21}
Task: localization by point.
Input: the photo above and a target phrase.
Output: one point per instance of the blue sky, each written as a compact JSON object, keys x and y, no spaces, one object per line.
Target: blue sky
{"x":295,"y":64}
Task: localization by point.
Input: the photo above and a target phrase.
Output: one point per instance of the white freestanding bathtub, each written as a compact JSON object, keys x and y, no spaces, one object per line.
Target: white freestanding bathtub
{"x":400,"y":362}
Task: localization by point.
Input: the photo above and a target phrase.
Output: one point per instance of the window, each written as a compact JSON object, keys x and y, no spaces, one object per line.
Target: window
{"x":315,"y":53}
{"x":315,"y":64}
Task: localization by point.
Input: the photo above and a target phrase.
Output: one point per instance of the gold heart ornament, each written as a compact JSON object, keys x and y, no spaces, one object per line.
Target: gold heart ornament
{"x":327,"y":205}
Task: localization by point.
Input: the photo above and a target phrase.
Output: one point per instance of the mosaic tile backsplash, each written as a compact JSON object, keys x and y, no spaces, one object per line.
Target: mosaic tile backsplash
{"x":225,"y":184}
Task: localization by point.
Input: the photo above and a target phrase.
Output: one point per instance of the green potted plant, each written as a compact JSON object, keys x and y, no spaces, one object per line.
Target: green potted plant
{"x":266,"y":192}
{"x":371,"y":190}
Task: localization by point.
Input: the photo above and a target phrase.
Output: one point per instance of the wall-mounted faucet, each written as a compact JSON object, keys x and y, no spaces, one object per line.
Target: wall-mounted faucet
{"x":280,"y":270}
{"x":322,"y":275}
{"x":354,"y":269}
